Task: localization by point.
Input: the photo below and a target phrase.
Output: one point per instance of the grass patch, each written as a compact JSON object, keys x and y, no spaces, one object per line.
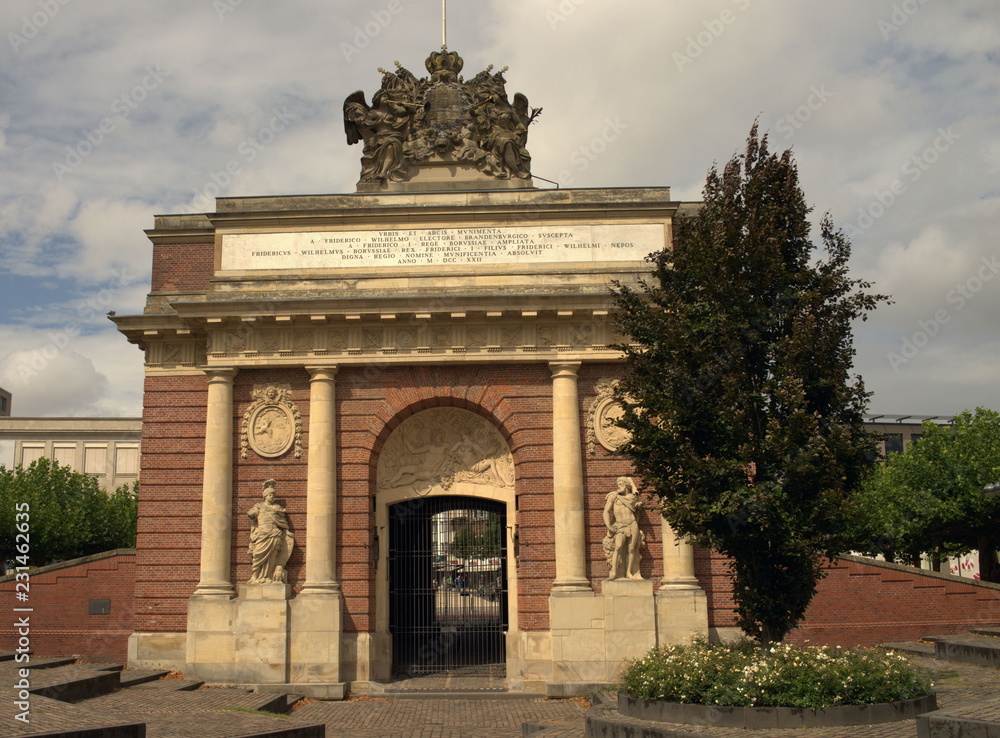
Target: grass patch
{"x":742,"y":675}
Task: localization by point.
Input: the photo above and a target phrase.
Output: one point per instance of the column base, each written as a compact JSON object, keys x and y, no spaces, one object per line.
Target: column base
{"x":681,"y":612}
{"x":571,"y":586}
{"x":326,"y":589}
{"x":214,"y":589}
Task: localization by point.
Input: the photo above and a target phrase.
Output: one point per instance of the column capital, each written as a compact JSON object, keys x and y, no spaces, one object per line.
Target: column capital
{"x":564,"y":368}
{"x":321,"y":373}
{"x":223,"y":373}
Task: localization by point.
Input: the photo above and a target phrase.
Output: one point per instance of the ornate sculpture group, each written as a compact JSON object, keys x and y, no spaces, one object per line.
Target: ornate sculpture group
{"x":412,"y":120}
{"x":443,"y":447}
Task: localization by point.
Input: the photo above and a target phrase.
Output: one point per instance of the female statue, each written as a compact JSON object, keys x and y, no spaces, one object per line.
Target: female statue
{"x":270,"y":539}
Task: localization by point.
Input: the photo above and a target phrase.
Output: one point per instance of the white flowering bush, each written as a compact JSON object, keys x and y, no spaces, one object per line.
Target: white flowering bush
{"x":740,"y":674}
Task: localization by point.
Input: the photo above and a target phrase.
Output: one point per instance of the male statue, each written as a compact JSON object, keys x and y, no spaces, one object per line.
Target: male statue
{"x":624,"y":539}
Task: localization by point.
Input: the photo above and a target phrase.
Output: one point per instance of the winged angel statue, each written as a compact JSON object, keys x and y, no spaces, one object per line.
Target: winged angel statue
{"x":443,"y":117}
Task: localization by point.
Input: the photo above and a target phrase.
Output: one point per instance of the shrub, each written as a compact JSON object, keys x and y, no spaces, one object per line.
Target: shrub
{"x":741,"y":674}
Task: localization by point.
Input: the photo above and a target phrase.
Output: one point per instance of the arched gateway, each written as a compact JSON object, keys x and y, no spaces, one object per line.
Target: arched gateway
{"x":445,"y":480}
{"x":283,"y":335}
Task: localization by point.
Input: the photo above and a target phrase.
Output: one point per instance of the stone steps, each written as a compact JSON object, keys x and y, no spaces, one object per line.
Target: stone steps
{"x":979,"y":718}
{"x":112,"y":703}
{"x":911,"y":648}
{"x":979,"y":650}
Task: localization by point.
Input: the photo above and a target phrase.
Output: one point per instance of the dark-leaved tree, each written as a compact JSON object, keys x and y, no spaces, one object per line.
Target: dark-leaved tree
{"x":744,"y":416}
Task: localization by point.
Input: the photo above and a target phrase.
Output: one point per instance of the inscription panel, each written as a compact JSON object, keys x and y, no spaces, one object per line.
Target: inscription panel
{"x":440,"y":247}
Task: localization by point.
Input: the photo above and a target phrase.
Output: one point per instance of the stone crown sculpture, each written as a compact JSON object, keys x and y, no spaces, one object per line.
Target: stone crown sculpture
{"x":416,"y":123}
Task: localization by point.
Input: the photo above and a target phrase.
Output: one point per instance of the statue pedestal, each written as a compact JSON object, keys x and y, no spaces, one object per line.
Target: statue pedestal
{"x":268,"y":639}
{"x":593,"y":635}
{"x":630,"y":621}
{"x":261,"y":630}
{"x":265,"y":591}
{"x":446,"y":174}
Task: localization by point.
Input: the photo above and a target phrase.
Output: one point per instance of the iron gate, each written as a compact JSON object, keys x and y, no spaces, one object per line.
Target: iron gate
{"x":448,"y":586}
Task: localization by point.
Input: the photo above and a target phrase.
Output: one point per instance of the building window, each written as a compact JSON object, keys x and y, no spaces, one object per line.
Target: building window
{"x":64,"y":455}
{"x":127,"y":461}
{"x":915,"y":438}
{"x":3,"y":404}
{"x":95,"y":459}
{"x":30,"y":454}
{"x":893,"y":443}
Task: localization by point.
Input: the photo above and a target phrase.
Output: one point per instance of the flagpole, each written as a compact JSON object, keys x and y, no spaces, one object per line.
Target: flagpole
{"x":444,"y":25}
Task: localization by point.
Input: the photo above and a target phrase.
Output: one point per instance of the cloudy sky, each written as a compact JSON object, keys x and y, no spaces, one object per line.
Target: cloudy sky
{"x":112,"y":111}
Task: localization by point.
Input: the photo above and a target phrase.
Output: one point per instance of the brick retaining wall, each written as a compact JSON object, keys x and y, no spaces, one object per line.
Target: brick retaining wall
{"x":60,"y":595}
{"x":865,"y":602}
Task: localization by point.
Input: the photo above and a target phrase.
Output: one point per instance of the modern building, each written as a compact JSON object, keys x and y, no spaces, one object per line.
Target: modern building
{"x":900,"y":431}
{"x":5,"y":402}
{"x":106,"y":448}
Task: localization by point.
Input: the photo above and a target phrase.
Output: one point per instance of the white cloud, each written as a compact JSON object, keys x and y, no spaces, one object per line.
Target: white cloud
{"x":608,"y":72}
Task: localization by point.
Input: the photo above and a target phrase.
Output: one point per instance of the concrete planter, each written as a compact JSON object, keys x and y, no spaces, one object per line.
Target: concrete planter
{"x":774,"y":717}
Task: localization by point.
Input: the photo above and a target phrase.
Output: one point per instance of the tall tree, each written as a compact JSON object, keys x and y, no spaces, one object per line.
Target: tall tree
{"x":929,"y":499}
{"x":60,"y":514}
{"x":743,"y":414}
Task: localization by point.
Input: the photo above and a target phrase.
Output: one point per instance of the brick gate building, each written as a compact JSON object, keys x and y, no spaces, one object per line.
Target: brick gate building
{"x":441,"y":335}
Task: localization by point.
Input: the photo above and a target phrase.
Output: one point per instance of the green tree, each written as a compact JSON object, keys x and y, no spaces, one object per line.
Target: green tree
{"x":743,"y":414}
{"x":470,"y":544}
{"x":68,"y":515}
{"x":929,"y":499}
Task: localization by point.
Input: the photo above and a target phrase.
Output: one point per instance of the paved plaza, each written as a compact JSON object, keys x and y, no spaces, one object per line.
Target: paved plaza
{"x":420,"y":708}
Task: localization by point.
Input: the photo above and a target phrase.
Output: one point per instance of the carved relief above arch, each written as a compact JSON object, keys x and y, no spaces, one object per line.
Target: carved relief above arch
{"x":439,"y":448}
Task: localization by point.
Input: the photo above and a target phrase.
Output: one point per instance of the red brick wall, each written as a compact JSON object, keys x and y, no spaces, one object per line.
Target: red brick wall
{"x":60,"y":595}
{"x":169,"y":526}
{"x":182,"y":266}
{"x":863,"y":603}
{"x":372,"y":401}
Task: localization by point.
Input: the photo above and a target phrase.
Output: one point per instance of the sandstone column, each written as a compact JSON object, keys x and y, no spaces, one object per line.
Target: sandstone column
{"x":567,"y":481}
{"x":316,"y":620}
{"x":321,"y":484}
{"x":217,"y":489}
{"x":678,"y":561}
{"x":681,"y":605}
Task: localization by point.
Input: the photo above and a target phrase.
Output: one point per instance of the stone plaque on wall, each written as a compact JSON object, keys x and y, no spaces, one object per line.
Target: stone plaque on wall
{"x":440,"y":247}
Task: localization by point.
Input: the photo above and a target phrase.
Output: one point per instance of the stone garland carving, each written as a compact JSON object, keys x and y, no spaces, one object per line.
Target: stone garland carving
{"x":272,"y":424}
{"x":445,"y":117}
{"x":624,"y":540}
{"x":605,"y":410}
{"x":270,"y":539}
{"x":444,"y":446}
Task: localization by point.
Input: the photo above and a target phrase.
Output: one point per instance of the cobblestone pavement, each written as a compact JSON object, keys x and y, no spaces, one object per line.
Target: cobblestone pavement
{"x":439,"y":718}
{"x":208,"y":713}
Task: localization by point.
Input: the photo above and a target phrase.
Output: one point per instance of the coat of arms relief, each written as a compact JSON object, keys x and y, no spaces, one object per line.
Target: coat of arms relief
{"x":272,"y":425}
